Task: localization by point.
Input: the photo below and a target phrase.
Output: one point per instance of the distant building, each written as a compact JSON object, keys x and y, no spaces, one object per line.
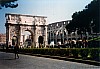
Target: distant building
{"x":58,"y":35}
{"x":57,"y":32}
{"x":2,"y":38}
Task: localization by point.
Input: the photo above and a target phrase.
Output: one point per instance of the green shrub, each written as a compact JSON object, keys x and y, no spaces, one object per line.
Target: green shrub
{"x":27,"y":50}
{"x":95,"y":54}
{"x":84,"y":53}
{"x":75,"y":52}
{"x":62,"y":52}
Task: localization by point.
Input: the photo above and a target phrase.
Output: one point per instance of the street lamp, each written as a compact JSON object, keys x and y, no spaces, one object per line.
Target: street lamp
{"x":91,"y":27}
{"x":61,"y":37}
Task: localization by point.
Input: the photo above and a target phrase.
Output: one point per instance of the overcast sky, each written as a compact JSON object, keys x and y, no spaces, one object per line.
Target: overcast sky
{"x":54,"y":10}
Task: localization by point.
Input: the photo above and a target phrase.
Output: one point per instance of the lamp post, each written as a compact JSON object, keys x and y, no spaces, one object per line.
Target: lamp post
{"x":61,"y":37}
{"x":91,"y":26}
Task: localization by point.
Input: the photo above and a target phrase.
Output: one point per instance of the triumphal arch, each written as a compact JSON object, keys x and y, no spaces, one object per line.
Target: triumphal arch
{"x":17,"y":24}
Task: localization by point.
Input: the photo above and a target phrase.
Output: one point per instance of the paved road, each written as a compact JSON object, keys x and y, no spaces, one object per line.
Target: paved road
{"x":7,"y":61}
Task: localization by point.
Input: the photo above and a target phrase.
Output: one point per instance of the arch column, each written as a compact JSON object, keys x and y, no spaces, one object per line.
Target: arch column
{"x":33,"y":38}
{"x":7,"y":35}
{"x":45,"y":39}
{"x":36,"y":37}
{"x":21,"y":35}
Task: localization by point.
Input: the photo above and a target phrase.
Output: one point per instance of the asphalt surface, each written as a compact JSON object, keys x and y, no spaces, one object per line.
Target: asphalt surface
{"x":7,"y":61}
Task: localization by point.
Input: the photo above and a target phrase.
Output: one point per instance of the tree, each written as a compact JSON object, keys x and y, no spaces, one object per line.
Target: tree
{"x":8,"y":3}
{"x":86,"y":19}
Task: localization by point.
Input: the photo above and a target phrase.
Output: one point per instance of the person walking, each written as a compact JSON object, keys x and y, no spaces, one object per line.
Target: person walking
{"x":16,"y":51}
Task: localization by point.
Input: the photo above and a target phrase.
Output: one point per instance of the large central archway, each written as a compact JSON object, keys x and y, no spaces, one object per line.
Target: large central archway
{"x":17,"y":24}
{"x":27,"y":38}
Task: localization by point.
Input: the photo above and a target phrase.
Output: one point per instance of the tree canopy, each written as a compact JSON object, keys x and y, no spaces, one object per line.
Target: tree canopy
{"x":86,"y":19}
{"x":8,"y":3}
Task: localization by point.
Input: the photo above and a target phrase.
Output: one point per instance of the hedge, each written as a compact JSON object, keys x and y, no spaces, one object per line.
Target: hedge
{"x":84,"y":53}
{"x":93,"y":53}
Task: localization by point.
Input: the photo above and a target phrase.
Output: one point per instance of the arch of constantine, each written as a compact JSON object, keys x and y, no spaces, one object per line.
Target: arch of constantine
{"x":17,"y":24}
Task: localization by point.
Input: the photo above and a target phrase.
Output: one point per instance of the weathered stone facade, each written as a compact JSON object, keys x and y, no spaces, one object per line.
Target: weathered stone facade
{"x":17,"y":24}
{"x":57,"y":32}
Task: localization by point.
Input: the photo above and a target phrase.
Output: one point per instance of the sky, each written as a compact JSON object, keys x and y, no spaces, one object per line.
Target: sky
{"x":54,"y":10}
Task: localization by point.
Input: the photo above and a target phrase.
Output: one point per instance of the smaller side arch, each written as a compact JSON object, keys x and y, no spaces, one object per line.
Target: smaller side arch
{"x":14,"y":40}
{"x":40,"y":41}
